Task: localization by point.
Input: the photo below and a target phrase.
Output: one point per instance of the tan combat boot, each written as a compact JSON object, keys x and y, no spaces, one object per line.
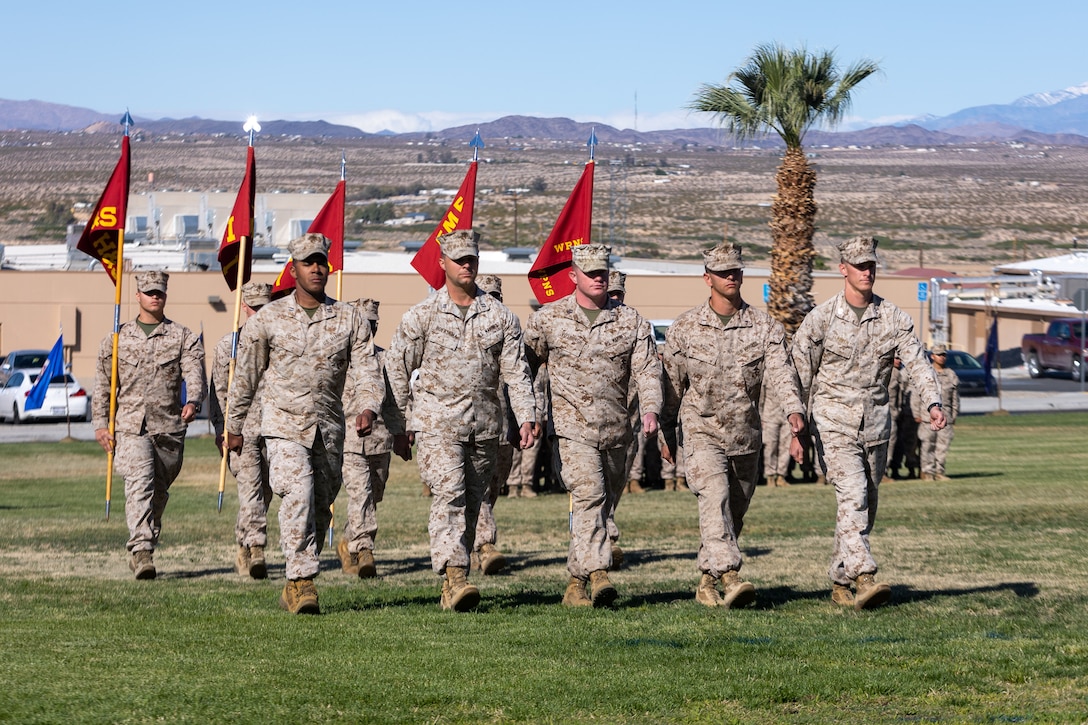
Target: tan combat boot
{"x":601,"y":591}
{"x":457,"y":593}
{"x":512,"y":491}
{"x":925,"y":476}
{"x":738,"y":593}
{"x":491,"y":560}
{"x":670,"y":484}
{"x":426,"y":492}
{"x":870,"y":593}
{"x":681,"y":483}
{"x":367,"y":568}
{"x":527,"y":491}
{"x":575,"y":595}
{"x":617,"y":557}
{"x":821,"y":480}
{"x":633,"y":486}
{"x":241,"y":561}
{"x":349,"y":561}
{"x":142,"y":565}
{"x":258,"y":567}
{"x":707,"y":591}
{"x":781,"y":482}
{"x":300,"y":597}
{"x":841,"y":595}
{"x":941,"y":477}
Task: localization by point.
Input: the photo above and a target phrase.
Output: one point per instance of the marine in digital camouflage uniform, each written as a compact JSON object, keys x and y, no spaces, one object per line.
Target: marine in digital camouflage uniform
{"x":466,"y":345}
{"x":154,"y":357}
{"x":594,"y":348}
{"x":844,"y":352}
{"x":935,"y":443}
{"x":250,"y":467}
{"x":300,"y":348}
{"x":366,"y":466}
{"x":718,"y":358}
{"x":486,"y":557}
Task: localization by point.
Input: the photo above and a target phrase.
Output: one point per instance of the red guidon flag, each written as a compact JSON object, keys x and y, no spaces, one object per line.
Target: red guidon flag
{"x":285,"y":282}
{"x":428,"y":260}
{"x":102,"y":237}
{"x":548,"y":277}
{"x":330,"y":222}
{"x":239,"y":229}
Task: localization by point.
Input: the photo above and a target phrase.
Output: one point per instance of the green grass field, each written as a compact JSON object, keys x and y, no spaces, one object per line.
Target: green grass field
{"x":988,"y":621}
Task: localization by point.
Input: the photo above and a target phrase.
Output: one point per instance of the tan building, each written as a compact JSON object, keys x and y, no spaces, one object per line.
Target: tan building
{"x":34,"y":305}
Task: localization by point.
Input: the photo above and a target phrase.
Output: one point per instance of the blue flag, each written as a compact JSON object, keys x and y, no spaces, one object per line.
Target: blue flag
{"x":54,"y":365}
{"x":989,"y":357}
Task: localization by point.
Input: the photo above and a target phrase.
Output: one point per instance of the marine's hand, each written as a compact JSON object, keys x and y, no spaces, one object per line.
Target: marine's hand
{"x":797,"y":424}
{"x":402,"y":446}
{"x":364,"y":423}
{"x":188,"y":413}
{"x":937,"y":419}
{"x":234,"y":442}
{"x":538,"y":431}
{"x":666,"y":452}
{"x":527,"y":436}
{"x":797,"y":449}
{"x":102,"y":435}
{"x":649,"y":424}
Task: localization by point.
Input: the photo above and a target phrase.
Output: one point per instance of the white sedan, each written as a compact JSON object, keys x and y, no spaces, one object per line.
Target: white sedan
{"x":64,"y":398}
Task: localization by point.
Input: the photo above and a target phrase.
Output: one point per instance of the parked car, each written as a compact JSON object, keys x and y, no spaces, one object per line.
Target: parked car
{"x":1063,"y":348}
{"x":16,"y":359}
{"x":968,"y":369}
{"x":15,"y":391}
{"x":660,"y":327}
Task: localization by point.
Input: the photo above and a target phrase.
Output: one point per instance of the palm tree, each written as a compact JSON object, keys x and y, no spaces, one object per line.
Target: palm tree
{"x":788,"y":92}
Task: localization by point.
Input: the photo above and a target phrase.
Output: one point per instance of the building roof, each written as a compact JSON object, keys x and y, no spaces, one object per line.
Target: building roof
{"x":1072,"y":263}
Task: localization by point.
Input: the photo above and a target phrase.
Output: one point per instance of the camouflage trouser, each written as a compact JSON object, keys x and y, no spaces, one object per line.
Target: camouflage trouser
{"x":855,"y":470}
{"x":723,"y":486}
{"x":906,"y":442}
{"x":308,"y":480}
{"x":486,"y":531}
{"x":250,"y":469}
{"x":935,"y":445}
{"x":636,"y":452}
{"x":364,"y":478}
{"x":458,"y":474}
{"x":149,"y":464}
{"x":776,"y":449}
{"x":523,"y":465}
{"x":594,"y":479}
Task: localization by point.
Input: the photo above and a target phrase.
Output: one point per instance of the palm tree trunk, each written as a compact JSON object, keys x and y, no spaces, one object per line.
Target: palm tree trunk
{"x":793,"y":224}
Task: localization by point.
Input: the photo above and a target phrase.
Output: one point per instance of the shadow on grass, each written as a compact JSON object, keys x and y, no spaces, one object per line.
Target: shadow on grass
{"x":907,"y":595}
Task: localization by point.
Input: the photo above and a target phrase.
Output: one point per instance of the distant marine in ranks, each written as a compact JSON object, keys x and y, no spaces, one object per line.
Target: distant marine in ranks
{"x":844,"y":352}
{"x":718,"y":357}
{"x":903,"y":437}
{"x":594,"y":348}
{"x":366,"y":465}
{"x":776,"y":440}
{"x":250,"y":467}
{"x":523,"y":467}
{"x":934,"y":444}
{"x":486,"y":557}
{"x":300,"y":348}
{"x":466,"y":345}
{"x":155,"y":356}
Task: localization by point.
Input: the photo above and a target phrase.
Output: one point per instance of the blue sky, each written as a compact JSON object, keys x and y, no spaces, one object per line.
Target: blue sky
{"x":409,"y":66}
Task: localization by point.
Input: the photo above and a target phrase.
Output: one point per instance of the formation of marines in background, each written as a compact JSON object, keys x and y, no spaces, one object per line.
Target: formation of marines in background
{"x":314,"y":405}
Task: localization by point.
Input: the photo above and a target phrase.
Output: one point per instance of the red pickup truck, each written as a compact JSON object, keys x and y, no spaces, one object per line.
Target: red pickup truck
{"x":1061,"y":348}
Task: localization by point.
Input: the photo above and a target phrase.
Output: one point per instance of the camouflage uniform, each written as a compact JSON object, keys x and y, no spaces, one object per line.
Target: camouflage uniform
{"x":714,"y":376}
{"x":846,"y":364}
{"x":462,"y":361}
{"x":250,"y":466}
{"x":903,"y":442}
{"x":149,"y":430}
{"x":592,"y":368}
{"x":303,"y":363}
{"x":935,"y":443}
{"x":776,"y":437}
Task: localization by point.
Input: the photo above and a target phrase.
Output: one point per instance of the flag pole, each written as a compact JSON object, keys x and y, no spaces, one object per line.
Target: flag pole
{"x":119,"y":271}
{"x":340,"y":272}
{"x":252,"y":127}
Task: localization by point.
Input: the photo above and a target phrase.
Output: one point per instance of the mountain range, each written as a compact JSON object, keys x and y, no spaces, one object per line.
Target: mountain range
{"x":1054,"y":117}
